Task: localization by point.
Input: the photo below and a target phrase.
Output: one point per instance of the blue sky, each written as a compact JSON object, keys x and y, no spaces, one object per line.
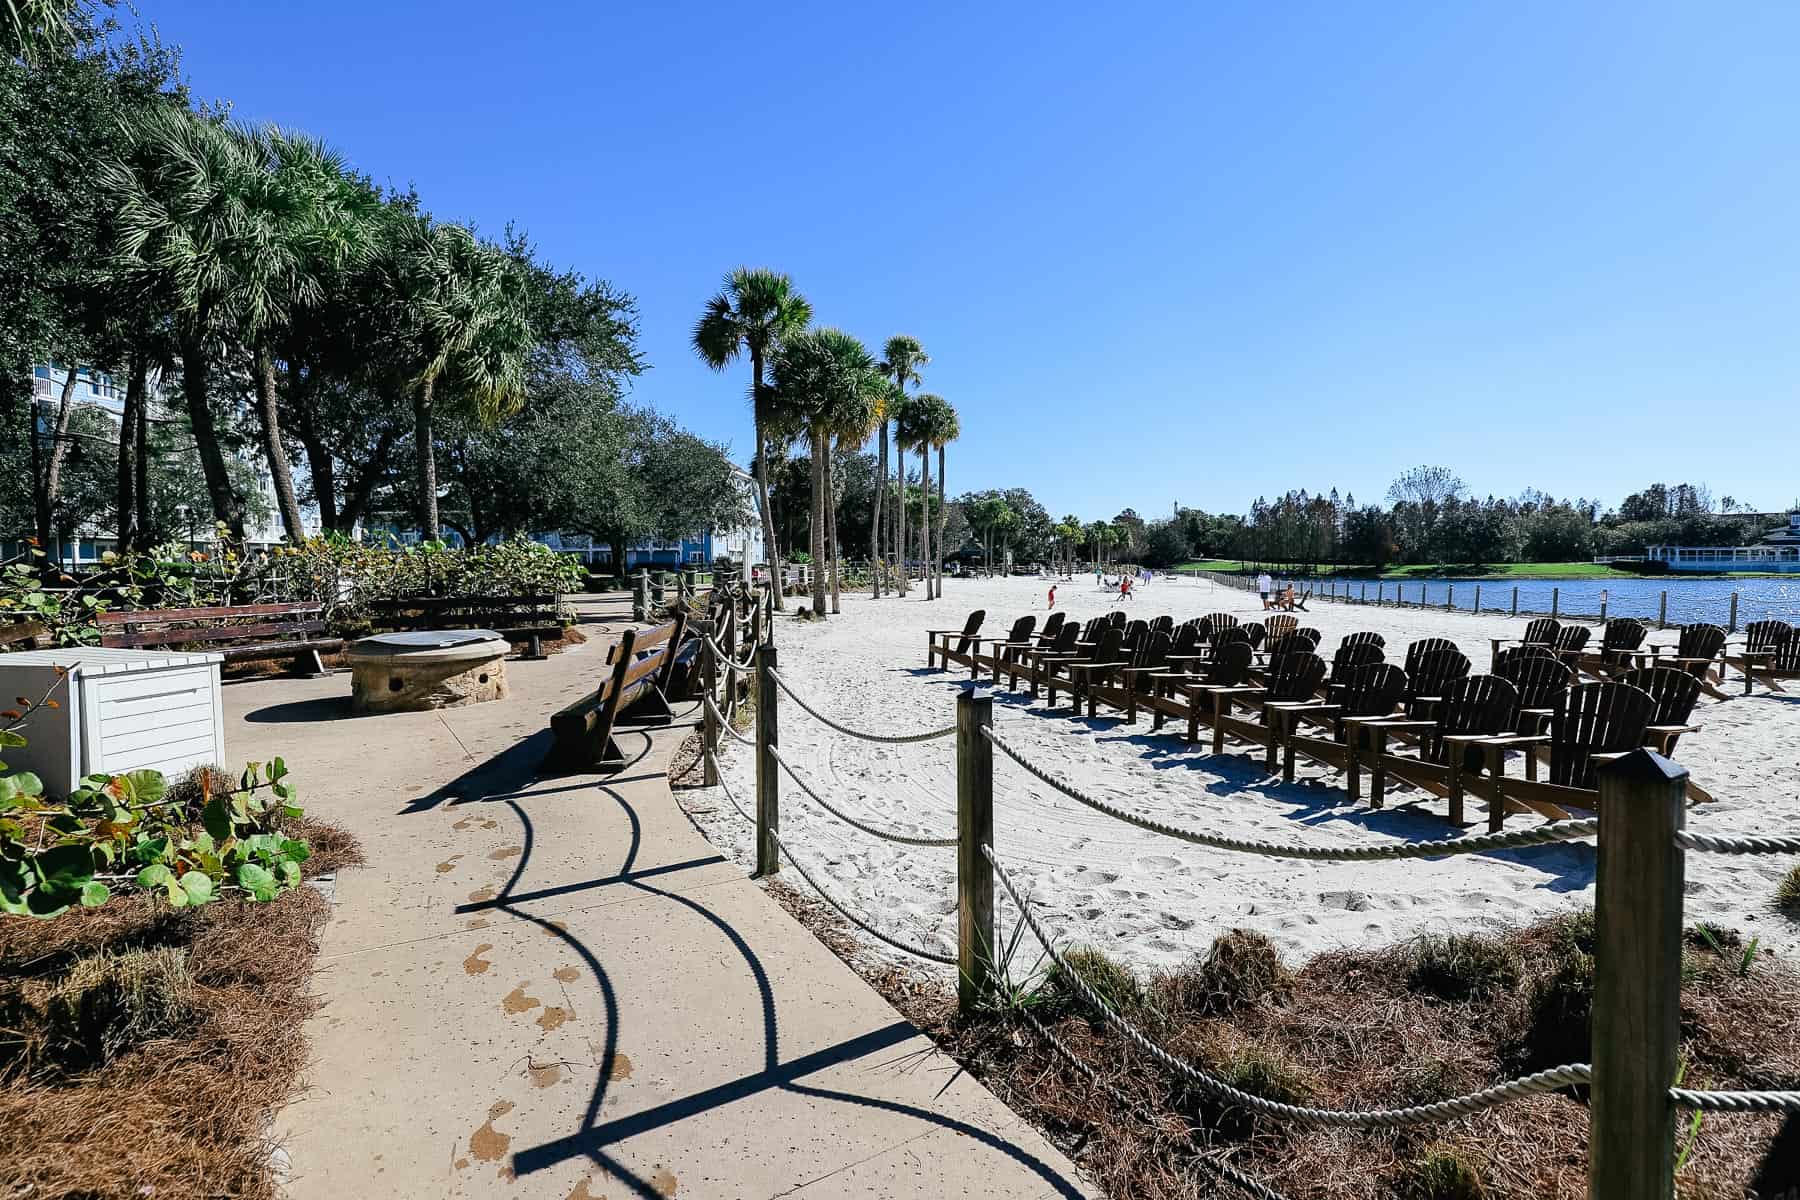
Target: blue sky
{"x":1158,"y":253}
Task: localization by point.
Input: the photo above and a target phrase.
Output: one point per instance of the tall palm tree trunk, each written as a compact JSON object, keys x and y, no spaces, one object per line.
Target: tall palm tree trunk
{"x":770,"y":549}
{"x":900,"y":508}
{"x":140,"y":376}
{"x":196,"y":380}
{"x":49,"y":484}
{"x":925,"y":514}
{"x":274,"y":451}
{"x":831,"y":530}
{"x":127,"y":503}
{"x":426,"y":461}
{"x":943,"y":523}
{"x":875,"y":518}
{"x":817,"y":522}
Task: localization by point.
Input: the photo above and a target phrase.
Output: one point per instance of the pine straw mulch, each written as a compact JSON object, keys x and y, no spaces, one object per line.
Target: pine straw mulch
{"x":186,"y":1113}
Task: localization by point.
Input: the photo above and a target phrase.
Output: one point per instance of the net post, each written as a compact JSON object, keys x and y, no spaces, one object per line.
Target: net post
{"x":975,"y":945}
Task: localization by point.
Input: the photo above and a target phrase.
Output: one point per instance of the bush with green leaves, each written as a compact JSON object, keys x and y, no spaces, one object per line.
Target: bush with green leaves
{"x":124,"y":833}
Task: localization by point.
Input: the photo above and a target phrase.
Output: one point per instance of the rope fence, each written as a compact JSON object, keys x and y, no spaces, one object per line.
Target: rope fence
{"x":1638,"y":925}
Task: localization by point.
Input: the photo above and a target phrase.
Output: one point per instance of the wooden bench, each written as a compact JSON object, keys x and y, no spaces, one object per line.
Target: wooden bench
{"x":532,"y":617}
{"x":256,"y":632}
{"x":24,"y":635}
{"x":642,"y":672}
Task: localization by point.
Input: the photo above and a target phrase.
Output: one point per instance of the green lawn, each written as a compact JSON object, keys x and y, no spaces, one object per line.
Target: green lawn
{"x":1535,"y":570}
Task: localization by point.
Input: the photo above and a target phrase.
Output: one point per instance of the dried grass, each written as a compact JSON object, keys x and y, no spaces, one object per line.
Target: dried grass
{"x":1787,"y":895}
{"x":199,"y":1054}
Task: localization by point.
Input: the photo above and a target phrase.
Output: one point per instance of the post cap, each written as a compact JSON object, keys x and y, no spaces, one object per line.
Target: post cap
{"x":1643,"y":766}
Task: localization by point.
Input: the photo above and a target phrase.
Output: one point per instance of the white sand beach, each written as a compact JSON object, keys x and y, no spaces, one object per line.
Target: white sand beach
{"x":1154,"y":901}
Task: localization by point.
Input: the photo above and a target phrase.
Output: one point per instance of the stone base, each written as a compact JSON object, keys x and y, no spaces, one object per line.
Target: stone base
{"x":382,"y":681}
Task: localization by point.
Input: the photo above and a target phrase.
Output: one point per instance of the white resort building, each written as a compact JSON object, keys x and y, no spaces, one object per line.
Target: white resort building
{"x":1778,"y":551}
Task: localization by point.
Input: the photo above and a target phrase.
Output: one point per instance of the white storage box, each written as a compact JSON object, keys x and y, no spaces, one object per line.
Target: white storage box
{"x":118,"y":710}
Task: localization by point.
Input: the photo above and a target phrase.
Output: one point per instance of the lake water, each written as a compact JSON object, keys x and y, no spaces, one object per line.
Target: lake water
{"x":1690,"y":600}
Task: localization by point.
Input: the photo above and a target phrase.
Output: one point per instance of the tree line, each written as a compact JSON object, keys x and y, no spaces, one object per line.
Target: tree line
{"x":384,"y":364}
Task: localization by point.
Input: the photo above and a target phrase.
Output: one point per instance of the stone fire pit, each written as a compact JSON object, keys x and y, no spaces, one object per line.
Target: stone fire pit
{"x":408,"y":672}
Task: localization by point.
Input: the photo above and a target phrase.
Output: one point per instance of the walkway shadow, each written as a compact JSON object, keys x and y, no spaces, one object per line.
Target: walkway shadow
{"x":325,"y":708}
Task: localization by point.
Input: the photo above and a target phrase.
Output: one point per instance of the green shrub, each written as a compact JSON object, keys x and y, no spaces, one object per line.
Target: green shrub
{"x":1441,"y":1173}
{"x":1787,"y":895}
{"x":110,"y":1003}
{"x":1561,"y":1013}
{"x":1575,"y":932}
{"x":1462,"y":966}
{"x":1262,"y":1071}
{"x":1240,"y":969}
{"x":1114,"y":983}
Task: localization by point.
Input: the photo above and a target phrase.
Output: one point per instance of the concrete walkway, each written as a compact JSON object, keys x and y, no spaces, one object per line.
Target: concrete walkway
{"x":554,"y":986}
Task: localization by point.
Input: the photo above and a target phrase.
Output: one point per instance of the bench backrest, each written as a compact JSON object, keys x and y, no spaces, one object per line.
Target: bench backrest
{"x":14,"y":632}
{"x":226,"y":623}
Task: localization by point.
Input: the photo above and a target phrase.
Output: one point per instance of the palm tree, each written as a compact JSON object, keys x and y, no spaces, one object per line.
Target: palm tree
{"x":755,"y":312}
{"x":902,"y":357}
{"x":824,"y":381}
{"x":931,"y":418}
{"x":903,"y":410}
{"x":890,"y":398}
{"x":465,"y":308}
{"x":946,"y":428}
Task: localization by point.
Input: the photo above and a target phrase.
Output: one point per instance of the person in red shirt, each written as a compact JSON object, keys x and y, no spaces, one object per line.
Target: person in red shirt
{"x":1053,"y":595}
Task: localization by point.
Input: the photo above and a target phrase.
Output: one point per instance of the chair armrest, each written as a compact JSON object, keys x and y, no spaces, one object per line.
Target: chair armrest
{"x":1394,"y":723}
{"x":1511,"y":739}
{"x":1673,"y":729}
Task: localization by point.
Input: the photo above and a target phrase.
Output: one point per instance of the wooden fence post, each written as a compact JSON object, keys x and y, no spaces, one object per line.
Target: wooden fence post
{"x":1732,"y":628}
{"x":975,"y":945}
{"x":1555,"y":600}
{"x":1449,"y":596}
{"x":1477,"y":607}
{"x":1662,"y":610}
{"x":768,"y":772}
{"x":709,"y":724}
{"x":1365,"y":593}
{"x":1380,"y":592}
{"x":1603,"y":604}
{"x":1637,"y":978}
{"x":1515,"y":600}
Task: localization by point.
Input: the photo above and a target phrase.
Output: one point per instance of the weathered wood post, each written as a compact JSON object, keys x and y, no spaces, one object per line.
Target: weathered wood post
{"x":1449,"y":596}
{"x":709,"y":724}
{"x":640,"y":597}
{"x":1555,"y":600}
{"x":1380,"y":592}
{"x":768,"y":772}
{"x":975,"y":945}
{"x":1365,"y":593}
{"x":1732,"y":628}
{"x":1515,"y":600}
{"x":1662,"y":610}
{"x":734,"y":682}
{"x":1477,"y":607}
{"x":1637,"y":978}
{"x":659,"y":585}
{"x":1603,"y":604}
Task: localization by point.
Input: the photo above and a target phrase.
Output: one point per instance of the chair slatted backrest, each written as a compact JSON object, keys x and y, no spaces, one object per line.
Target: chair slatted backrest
{"x":1230,"y":665}
{"x":1153,"y":652}
{"x":1675,"y":692}
{"x":1231,"y":637}
{"x":1066,"y":637}
{"x":1425,"y":646}
{"x":1052,"y":626}
{"x":1351,"y":655}
{"x":1135,"y":632}
{"x":1540,"y":678}
{"x":1021,"y":629}
{"x":1622,"y":635}
{"x":1541,"y":631}
{"x":1116,"y":618}
{"x":1111,"y":646}
{"x":1700,"y":641}
{"x":1572,"y":639}
{"x":1483,"y":704}
{"x":1281,"y":647}
{"x":1217,"y":621}
{"x":1312,"y":636}
{"x":1090,"y":632}
{"x":1365,"y":637}
{"x":1766,"y":637}
{"x":1256,"y":631}
{"x":1786,"y":659}
{"x":1595,"y":718}
{"x":1435,"y":670}
{"x":971,"y":627}
{"x":1372,"y":690}
{"x":1296,"y":676}
{"x":1281,"y":624}
{"x":1186,"y":638}
{"x":1163,"y":624}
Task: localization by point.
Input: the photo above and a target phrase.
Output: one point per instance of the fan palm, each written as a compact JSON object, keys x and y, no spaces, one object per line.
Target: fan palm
{"x":902,"y":357}
{"x":927,"y":414}
{"x":945,"y":428}
{"x":824,"y":382}
{"x":754,"y":313}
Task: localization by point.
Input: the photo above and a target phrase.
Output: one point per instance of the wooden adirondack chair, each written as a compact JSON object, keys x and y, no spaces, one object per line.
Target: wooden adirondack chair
{"x":1424,"y":646}
{"x":1256,"y":631}
{"x":1764,"y":644}
{"x":1211,"y":623}
{"x":1107,"y":652}
{"x":1429,"y":675}
{"x":1296,"y":677}
{"x":1698,"y":652}
{"x":1310,"y":636}
{"x":1350,"y":656}
{"x":1619,"y":642}
{"x":1280,"y":625}
{"x":1027,"y":662}
{"x":1185,"y":694}
{"x":1019,"y":636}
{"x":1540,"y":631}
{"x":1474,"y":709}
{"x":938,"y":644}
{"x":1592,"y":723}
{"x":1372,"y":690}
{"x":1541,"y":678}
{"x":1571,"y":640}
{"x":1135,"y":677}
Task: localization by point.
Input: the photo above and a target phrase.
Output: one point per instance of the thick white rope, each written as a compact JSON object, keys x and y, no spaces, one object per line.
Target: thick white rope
{"x":846,"y":818}
{"x":725,"y":660}
{"x":1556,"y":831}
{"x":1736,"y":1102}
{"x":917,"y":951}
{"x":893,"y":739}
{"x":1751,"y":844}
{"x":725,"y":724}
{"x":1554,"y":1079}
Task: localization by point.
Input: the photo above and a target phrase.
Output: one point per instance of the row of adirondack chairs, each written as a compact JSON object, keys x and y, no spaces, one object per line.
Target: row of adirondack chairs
{"x":1427,"y":723}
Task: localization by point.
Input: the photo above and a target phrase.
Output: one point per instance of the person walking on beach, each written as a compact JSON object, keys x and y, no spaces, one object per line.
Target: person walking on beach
{"x":1263,"y":586}
{"x":1053,"y":595}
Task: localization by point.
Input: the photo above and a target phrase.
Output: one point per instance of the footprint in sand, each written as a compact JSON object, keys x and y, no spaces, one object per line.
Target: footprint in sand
{"x":517,"y":1001}
{"x":1160,"y":862}
{"x":444,"y":867}
{"x":475,"y":964}
{"x":487,"y":1144}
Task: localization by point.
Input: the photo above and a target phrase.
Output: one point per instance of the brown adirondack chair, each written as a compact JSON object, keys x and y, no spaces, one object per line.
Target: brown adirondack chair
{"x":1764,"y":646}
{"x":1188,"y":695}
{"x":1591,"y":723}
{"x":1019,"y":635}
{"x":1372,"y":690}
{"x":1445,"y":747}
{"x":1539,"y":631}
{"x":1699,"y":652}
{"x":1280,"y":625}
{"x":1138,"y":676}
{"x":1105,"y":651}
{"x":1429,"y":674}
{"x":938,"y":641}
{"x":1619,"y":642}
{"x":1027,"y":662}
{"x":1296,"y":677}
{"x":1086,"y":678}
{"x":1571,"y":640}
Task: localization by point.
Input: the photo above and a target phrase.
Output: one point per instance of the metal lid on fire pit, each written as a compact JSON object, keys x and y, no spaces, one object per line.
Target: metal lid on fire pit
{"x":423,"y":640}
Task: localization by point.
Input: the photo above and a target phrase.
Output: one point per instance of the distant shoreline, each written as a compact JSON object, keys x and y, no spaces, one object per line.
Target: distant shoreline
{"x":1521,"y":571}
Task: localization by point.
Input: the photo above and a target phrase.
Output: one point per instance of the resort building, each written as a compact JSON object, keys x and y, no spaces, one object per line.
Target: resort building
{"x":1778,"y":551}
